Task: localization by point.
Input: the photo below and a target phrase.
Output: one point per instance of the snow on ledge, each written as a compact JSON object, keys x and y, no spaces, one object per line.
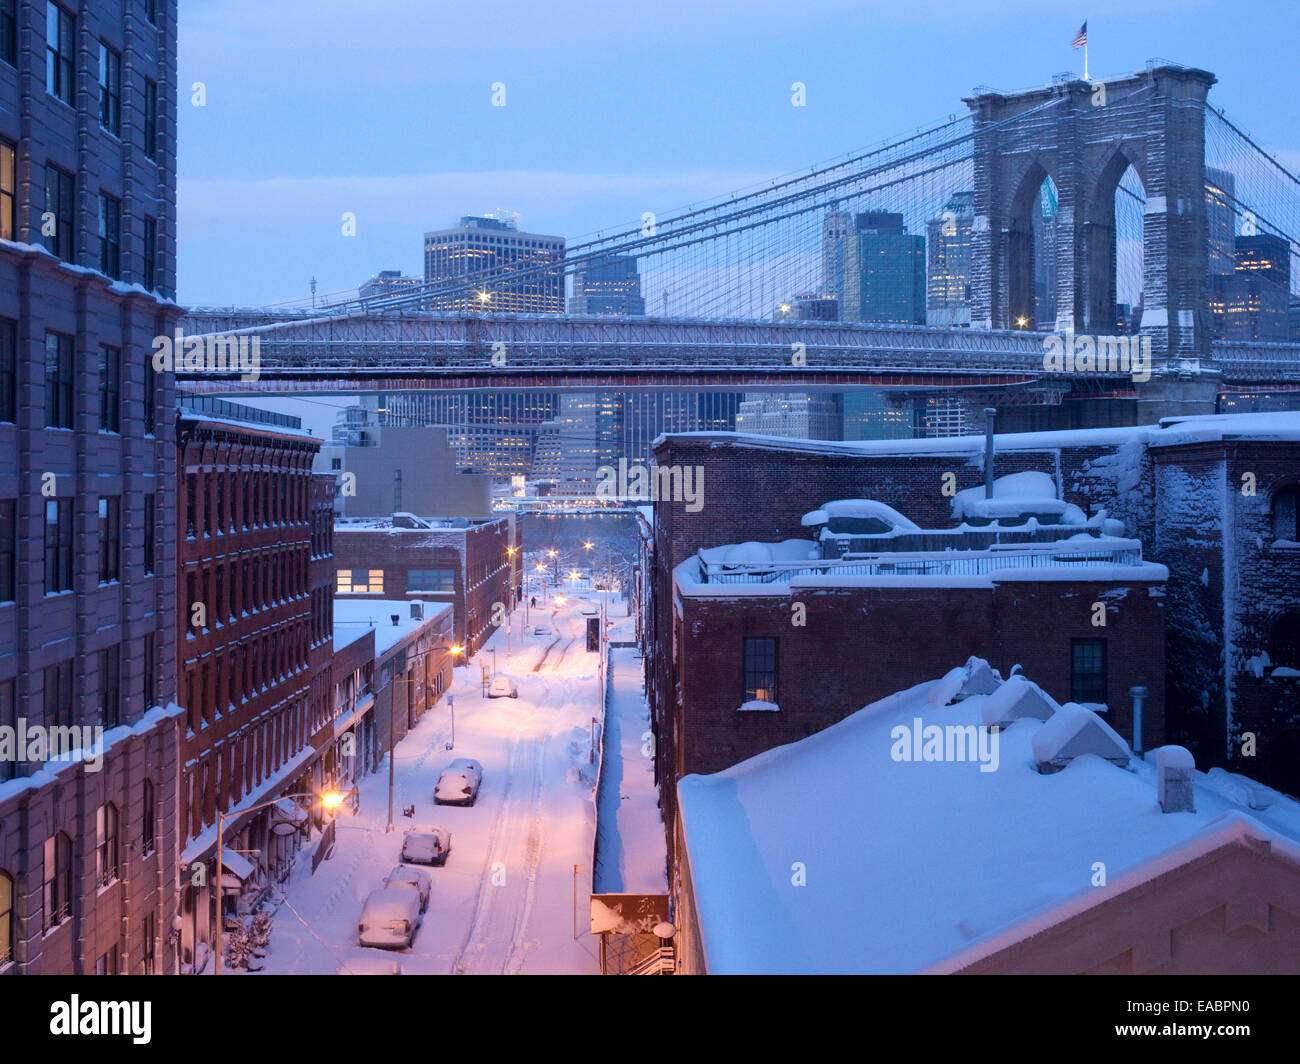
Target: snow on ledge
{"x":759,"y":706}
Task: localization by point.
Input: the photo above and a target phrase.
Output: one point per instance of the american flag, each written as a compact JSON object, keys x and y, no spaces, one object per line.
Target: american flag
{"x":1081,"y":38}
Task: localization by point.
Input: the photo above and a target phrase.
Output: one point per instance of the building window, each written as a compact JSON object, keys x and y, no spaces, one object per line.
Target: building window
{"x":150,"y":668}
{"x":110,"y":236}
{"x":1284,"y":640}
{"x":110,"y":388}
{"x":107,"y":964}
{"x":110,"y":686}
{"x":150,"y":119}
{"x":150,"y":383}
{"x":440,"y":580}
{"x":56,"y":897}
{"x":8,"y":550}
{"x":58,"y":545}
{"x":148,"y":959}
{"x":1286,"y":514}
{"x":147,"y":837}
{"x":360,"y":581}
{"x":150,"y":501}
{"x":8,"y":370}
{"x":6,"y":918}
{"x":1088,"y":671}
{"x":57,"y":225}
{"x":58,"y":381}
{"x":110,"y":539}
{"x":8,"y":189}
{"x":8,"y":719}
{"x":59,"y":51}
{"x":149,"y":274}
{"x":151,"y":11}
{"x":106,"y":844}
{"x":110,"y":89}
{"x":760,"y":669}
{"x":58,"y":695}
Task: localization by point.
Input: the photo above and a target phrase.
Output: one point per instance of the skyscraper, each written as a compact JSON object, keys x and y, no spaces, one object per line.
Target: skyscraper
{"x":388,"y":283}
{"x":884,"y":271}
{"x":487,"y":264}
{"x":1221,"y":220}
{"x":1253,"y":302}
{"x":948,"y":262}
{"x":608,"y":286}
{"x":836,"y":227}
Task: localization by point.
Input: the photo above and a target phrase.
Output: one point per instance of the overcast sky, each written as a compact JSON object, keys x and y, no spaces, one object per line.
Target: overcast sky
{"x":383,"y":108}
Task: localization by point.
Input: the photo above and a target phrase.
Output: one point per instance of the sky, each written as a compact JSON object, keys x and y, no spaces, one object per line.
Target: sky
{"x":313,"y":108}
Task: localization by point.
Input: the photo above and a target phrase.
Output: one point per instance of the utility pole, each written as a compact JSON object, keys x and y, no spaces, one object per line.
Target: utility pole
{"x":313,"y":293}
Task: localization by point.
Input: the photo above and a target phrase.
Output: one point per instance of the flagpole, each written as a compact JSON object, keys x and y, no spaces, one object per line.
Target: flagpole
{"x":1085,"y":59}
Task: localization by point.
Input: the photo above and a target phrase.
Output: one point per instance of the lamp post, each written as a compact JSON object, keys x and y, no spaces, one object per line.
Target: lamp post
{"x":329,"y":800}
{"x":554,"y":555}
{"x":455,"y":649}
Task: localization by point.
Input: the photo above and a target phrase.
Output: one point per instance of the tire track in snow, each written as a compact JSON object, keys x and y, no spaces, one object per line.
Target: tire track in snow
{"x":494,"y":941}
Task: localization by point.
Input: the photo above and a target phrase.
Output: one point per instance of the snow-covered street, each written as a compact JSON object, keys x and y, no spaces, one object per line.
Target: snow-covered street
{"x":504,"y":901}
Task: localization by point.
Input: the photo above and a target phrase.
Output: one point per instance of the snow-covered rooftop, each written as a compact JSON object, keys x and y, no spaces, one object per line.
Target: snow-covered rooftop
{"x":1170,"y":432}
{"x":910,"y":864}
{"x":759,"y":568}
{"x":353,"y":617}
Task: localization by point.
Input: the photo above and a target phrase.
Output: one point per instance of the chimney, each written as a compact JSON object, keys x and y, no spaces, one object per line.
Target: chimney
{"x":989,"y":414}
{"x":1175,"y":768}
{"x":396,"y":619}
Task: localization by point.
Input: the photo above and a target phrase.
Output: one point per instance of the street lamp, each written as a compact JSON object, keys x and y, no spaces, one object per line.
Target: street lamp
{"x":329,"y":801}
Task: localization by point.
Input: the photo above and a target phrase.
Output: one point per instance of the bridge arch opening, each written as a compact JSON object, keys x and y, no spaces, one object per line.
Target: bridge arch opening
{"x":1031,"y":252}
{"x":1115,"y":250}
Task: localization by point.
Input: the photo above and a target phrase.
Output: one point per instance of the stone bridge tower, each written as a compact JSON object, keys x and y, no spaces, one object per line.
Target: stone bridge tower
{"x":1084,"y":135}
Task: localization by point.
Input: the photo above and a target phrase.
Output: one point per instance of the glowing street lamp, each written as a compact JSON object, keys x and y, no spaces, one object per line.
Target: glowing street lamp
{"x":1022,"y":322}
{"x":329,"y":800}
{"x":484,"y":297}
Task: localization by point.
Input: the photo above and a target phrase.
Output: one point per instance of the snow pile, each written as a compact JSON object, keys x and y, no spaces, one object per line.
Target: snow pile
{"x":757,"y":705}
{"x":973,"y":678}
{"x":1073,"y":731}
{"x":1017,"y":699}
{"x":752,"y":553}
{"x":1017,"y":495}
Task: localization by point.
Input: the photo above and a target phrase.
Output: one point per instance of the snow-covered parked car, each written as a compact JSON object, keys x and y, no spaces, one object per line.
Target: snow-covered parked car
{"x":368,"y":964}
{"x":426,"y":847}
{"x":390,"y":918}
{"x":459,"y":783}
{"x":503,"y":687}
{"x":416,"y":879}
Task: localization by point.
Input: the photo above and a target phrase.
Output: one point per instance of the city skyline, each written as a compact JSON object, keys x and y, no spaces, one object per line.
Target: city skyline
{"x":573,"y":179}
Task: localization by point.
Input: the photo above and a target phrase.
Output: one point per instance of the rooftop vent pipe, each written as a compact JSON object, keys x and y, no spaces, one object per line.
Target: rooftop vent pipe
{"x":989,"y":414}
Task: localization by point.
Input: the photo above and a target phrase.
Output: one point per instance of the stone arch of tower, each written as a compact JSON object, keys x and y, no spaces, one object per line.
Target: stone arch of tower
{"x":1085,"y":135}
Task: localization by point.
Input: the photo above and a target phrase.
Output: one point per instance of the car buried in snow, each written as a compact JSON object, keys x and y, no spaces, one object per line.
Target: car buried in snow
{"x":430,"y":847}
{"x":416,"y":879}
{"x":459,"y":783}
{"x":389,"y":918}
{"x":502,"y":687}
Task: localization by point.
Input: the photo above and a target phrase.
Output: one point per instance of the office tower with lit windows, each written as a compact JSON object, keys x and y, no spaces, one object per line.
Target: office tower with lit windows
{"x":488,"y":265}
{"x":948,"y":262}
{"x":884,"y":271}
{"x":607,"y":286}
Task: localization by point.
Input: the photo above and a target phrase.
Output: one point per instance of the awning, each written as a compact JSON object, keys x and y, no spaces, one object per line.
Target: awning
{"x":288,"y":810}
{"x":236,"y":863}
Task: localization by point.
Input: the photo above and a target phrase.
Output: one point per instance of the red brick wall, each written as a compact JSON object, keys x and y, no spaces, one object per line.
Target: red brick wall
{"x":860,"y":645}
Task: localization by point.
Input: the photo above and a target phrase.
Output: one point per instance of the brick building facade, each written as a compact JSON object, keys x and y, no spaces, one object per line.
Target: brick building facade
{"x":1176,"y":489}
{"x":87,"y":634}
{"x":471,"y":564}
{"x":255,"y":643}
